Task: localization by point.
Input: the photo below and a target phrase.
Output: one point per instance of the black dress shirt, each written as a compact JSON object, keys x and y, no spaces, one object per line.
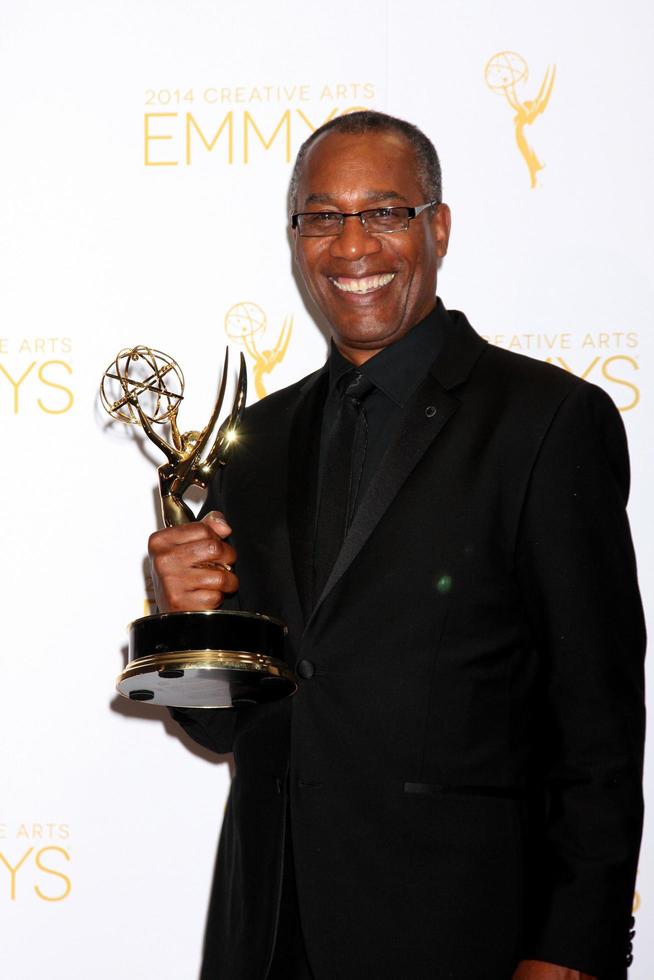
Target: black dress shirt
{"x":396,"y":371}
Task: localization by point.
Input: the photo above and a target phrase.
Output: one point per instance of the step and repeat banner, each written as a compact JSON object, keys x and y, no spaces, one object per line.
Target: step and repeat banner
{"x":146,"y":152}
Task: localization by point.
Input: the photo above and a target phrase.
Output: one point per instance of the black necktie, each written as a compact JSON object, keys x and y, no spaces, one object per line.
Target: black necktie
{"x":342,"y":469}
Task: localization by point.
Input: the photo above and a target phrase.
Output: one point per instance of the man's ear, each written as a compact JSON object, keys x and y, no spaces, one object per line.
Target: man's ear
{"x":441,"y":223}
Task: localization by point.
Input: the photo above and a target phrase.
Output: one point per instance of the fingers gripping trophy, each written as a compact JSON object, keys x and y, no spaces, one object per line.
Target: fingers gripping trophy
{"x":218,"y":658}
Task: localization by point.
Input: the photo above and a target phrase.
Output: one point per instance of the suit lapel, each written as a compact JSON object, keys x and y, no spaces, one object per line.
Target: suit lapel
{"x":303,"y":469}
{"x":427,"y":412}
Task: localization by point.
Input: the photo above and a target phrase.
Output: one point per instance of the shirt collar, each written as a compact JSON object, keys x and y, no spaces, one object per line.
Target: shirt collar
{"x":398,"y":369}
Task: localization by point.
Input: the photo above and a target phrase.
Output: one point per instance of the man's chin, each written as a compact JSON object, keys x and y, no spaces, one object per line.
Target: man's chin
{"x":370,"y":331}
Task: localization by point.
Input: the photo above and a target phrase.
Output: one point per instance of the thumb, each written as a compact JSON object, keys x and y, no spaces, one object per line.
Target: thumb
{"x":217,"y":523}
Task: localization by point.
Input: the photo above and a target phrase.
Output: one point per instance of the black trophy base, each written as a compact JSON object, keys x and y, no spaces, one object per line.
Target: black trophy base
{"x":214,"y":659}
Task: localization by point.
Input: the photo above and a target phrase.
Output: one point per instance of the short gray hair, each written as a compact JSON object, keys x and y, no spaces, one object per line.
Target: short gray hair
{"x":366,"y":121}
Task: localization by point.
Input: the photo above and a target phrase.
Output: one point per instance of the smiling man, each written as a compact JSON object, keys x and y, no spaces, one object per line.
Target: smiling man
{"x":454,"y":790}
{"x":373,"y":278}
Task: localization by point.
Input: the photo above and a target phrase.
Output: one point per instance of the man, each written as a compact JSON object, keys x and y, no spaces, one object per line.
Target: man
{"x":454,"y":790}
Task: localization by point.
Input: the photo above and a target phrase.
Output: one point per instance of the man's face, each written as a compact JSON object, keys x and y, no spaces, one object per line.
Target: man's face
{"x":372,"y":288}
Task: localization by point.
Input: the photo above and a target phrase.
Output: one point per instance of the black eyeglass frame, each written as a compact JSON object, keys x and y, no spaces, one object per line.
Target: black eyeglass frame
{"x":412,"y":212}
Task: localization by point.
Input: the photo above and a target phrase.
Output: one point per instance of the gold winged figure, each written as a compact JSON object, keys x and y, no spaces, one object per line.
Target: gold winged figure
{"x":503,"y":73}
{"x":266,"y":360}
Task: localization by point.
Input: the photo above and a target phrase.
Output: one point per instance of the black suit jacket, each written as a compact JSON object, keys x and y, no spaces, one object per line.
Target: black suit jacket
{"x":464,"y":762}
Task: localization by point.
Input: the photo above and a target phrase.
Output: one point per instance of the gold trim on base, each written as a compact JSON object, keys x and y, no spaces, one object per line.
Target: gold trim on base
{"x":206,"y":660}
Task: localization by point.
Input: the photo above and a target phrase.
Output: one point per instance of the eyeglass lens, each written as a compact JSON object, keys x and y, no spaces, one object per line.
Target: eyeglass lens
{"x":376,"y":221}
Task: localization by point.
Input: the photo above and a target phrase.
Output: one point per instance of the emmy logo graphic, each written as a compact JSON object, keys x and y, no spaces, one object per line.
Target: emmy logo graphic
{"x":503,"y":73}
{"x":245,"y":323}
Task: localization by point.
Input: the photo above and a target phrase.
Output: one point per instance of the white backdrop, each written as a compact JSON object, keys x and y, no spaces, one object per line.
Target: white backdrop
{"x":145,"y":156}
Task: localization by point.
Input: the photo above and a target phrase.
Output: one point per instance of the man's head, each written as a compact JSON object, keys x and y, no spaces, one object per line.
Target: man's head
{"x":372,"y":286}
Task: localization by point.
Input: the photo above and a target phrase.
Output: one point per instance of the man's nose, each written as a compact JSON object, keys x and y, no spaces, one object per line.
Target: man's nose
{"x":354,"y":241}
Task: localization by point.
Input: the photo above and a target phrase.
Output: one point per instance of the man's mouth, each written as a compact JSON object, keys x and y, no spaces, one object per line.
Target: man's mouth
{"x":364,"y":284}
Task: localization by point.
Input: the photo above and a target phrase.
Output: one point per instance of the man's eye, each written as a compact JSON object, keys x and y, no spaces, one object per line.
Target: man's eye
{"x":319,"y":217}
{"x":382,"y":213}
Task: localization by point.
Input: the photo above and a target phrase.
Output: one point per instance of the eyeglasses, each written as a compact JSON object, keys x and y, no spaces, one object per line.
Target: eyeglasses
{"x":376,"y":221}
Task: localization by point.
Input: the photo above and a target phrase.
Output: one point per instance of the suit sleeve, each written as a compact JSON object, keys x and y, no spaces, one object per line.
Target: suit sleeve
{"x":212,"y":728}
{"x":577,"y":571}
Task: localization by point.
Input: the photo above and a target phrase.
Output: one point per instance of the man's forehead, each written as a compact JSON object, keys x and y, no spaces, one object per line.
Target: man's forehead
{"x":336,"y":143}
{"x":378,"y":165}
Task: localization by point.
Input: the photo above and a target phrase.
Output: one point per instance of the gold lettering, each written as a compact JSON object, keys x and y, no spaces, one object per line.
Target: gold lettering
{"x":620,"y":381}
{"x":249,"y":121}
{"x":227,"y":121}
{"x":12,"y":871}
{"x":52,"y":384}
{"x":56,"y":874}
{"x":150,"y":137}
{"x":16,"y":384}
{"x":567,"y":367}
{"x":311,"y":126}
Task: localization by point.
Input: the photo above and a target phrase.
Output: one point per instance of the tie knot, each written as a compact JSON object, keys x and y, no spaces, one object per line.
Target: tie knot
{"x":356,"y":385}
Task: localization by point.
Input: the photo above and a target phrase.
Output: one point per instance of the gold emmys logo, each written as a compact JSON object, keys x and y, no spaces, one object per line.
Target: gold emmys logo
{"x":42,"y":864}
{"x":183,"y":125}
{"x":503,"y":72}
{"x":246,"y":323}
{"x":42,"y":381}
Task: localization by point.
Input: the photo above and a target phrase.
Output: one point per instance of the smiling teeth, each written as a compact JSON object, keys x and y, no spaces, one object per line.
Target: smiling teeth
{"x":365,"y":285}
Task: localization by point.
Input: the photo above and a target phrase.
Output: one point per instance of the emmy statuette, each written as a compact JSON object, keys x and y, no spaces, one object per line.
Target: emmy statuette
{"x":212,"y":659}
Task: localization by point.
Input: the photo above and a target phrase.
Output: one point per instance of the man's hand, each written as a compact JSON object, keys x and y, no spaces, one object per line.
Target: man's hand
{"x":537,"y":970}
{"x":191,"y":565}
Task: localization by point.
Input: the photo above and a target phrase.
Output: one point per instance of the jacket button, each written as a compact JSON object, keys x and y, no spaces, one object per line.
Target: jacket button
{"x":306,"y":669}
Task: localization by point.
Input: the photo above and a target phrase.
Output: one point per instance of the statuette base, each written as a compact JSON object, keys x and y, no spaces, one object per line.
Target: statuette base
{"x":214,"y":659}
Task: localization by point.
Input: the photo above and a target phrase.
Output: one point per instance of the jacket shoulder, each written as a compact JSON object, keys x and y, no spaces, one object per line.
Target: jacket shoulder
{"x":543,"y":387}
{"x":522,"y":370}
{"x":281,"y":402}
